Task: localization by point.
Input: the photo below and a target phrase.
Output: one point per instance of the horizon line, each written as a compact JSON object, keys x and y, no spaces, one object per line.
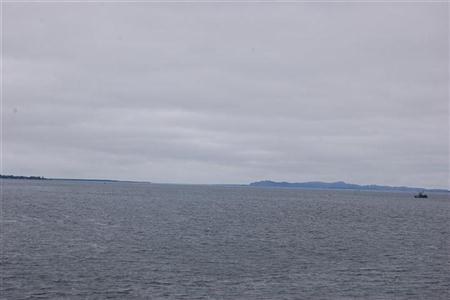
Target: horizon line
{"x":37,"y":177}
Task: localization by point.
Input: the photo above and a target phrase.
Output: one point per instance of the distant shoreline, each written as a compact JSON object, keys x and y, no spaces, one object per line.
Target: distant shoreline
{"x":23,"y":177}
{"x":340,"y":185}
{"x":315,"y":185}
{"x":65,"y":179}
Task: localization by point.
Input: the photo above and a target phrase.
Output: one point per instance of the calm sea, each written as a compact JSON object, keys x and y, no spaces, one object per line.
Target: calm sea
{"x":87,"y":240}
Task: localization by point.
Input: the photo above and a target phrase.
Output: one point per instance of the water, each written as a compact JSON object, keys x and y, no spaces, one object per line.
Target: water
{"x":76,"y":240}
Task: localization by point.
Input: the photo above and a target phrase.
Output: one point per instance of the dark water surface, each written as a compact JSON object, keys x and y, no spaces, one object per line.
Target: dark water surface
{"x":75,"y":240}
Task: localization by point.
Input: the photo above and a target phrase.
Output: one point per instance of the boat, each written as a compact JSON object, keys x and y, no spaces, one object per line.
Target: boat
{"x":421,"y":195}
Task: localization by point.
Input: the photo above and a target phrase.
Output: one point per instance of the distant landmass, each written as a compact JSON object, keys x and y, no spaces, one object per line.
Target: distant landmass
{"x":22,"y":177}
{"x":340,"y":185}
{"x":66,"y":179}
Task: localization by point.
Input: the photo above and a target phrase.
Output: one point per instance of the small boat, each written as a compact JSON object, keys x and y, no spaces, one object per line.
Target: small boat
{"x":421,"y":195}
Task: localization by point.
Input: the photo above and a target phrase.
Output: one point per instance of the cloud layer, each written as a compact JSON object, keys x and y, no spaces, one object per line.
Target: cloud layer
{"x":227,"y":92}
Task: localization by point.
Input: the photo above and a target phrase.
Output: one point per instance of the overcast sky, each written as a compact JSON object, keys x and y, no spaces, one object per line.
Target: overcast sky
{"x":227,"y":93}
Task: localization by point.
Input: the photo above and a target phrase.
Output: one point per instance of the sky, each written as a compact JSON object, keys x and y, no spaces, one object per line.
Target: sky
{"x":227,"y":92}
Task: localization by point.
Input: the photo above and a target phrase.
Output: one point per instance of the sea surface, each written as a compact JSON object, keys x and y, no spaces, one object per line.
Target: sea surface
{"x":94,"y":240}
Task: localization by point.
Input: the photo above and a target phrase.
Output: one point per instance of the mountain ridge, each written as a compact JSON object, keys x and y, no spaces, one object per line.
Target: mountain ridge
{"x":340,"y":185}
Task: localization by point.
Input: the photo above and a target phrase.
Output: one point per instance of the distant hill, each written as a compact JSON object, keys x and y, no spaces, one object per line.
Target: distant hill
{"x":340,"y":185}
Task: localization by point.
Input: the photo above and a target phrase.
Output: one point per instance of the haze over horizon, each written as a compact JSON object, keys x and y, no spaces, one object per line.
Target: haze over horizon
{"x":227,"y":92}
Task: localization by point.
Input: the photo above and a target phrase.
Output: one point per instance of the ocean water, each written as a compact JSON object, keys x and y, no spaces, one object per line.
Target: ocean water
{"x":90,"y":240}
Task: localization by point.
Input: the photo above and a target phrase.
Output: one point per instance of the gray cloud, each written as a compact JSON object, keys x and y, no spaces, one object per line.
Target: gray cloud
{"x":228,"y":93}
